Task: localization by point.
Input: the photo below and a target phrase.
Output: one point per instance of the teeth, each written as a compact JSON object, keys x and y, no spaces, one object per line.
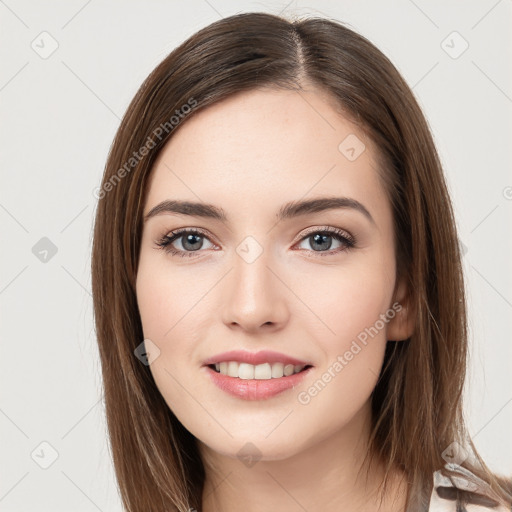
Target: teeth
{"x":265,"y":371}
{"x":277,"y":370}
{"x":233,"y":369}
{"x":288,"y":370}
{"x":244,"y":370}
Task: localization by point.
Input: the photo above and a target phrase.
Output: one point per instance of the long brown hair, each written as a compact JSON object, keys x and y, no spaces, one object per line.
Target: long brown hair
{"x":417,"y":403}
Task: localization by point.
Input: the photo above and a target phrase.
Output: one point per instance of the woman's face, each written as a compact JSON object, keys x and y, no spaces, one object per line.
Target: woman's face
{"x":254,"y":279}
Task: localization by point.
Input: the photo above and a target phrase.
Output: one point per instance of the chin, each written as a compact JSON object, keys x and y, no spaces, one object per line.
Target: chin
{"x":254,"y":447}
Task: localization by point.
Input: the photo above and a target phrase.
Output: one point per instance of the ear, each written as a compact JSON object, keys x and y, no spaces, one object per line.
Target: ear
{"x":401,"y":326}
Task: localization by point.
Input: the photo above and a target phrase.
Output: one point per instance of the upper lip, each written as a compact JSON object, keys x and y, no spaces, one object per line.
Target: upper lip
{"x":254,"y":358}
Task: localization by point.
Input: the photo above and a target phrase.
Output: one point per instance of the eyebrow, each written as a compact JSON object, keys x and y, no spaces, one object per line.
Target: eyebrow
{"x":287,"y":211}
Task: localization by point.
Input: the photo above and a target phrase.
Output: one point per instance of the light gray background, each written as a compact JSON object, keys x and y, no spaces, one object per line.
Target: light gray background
{"x":59,"y":115}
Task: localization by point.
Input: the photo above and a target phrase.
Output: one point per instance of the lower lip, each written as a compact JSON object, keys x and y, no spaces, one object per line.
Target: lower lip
{"x":255,"y":389}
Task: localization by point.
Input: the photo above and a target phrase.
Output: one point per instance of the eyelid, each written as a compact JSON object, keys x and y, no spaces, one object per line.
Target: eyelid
{"x":183,"y":231}
{"x":178,"y":233}
{"x":326,"y":229}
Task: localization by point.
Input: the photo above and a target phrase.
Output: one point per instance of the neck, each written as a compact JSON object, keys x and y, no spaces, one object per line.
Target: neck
{"x":328,"y":475}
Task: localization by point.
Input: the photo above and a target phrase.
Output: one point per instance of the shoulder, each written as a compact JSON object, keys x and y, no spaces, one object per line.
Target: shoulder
{"x":462,"y":492}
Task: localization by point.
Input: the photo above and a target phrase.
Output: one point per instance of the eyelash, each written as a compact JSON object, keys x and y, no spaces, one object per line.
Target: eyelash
{"x":342,"y":236}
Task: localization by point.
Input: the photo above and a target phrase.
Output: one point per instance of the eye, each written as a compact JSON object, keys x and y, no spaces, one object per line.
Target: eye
{"x":321,"y":240}
{"x":191,"y":240}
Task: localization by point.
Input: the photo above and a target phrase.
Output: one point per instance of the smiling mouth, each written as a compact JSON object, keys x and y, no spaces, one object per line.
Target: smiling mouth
{"x":265,"y":371}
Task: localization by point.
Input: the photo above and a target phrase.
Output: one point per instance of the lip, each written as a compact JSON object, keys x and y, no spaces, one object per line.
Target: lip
{"x":254,"y":358}
{"x":255,"y":389}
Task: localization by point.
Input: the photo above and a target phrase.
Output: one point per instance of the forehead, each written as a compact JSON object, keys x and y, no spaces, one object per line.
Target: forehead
{"x":265,"y":147}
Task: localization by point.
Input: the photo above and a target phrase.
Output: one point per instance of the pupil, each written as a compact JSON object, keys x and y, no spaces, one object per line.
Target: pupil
{"x":321,"y":239}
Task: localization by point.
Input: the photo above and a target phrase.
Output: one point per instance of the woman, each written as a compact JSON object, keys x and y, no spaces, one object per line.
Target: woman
{"x":277,"y":282}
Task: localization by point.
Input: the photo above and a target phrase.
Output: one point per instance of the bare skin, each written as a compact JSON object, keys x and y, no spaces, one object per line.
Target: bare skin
{"x":249,"y":155}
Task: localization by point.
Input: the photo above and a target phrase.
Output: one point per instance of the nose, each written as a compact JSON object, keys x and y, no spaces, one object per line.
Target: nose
{"x":254,"y":296}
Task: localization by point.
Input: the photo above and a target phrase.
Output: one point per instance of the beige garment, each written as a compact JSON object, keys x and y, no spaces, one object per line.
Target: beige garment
{"x":480,"y":495}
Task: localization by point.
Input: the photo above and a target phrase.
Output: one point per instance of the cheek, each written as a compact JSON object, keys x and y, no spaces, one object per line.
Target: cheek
{"x":166,"y":297}
{"x":157,"y":306}
{"x":346,"y":301}
{"x":352,"y":308}
{"x":171,"y":307}
{"x":160,"y":316}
